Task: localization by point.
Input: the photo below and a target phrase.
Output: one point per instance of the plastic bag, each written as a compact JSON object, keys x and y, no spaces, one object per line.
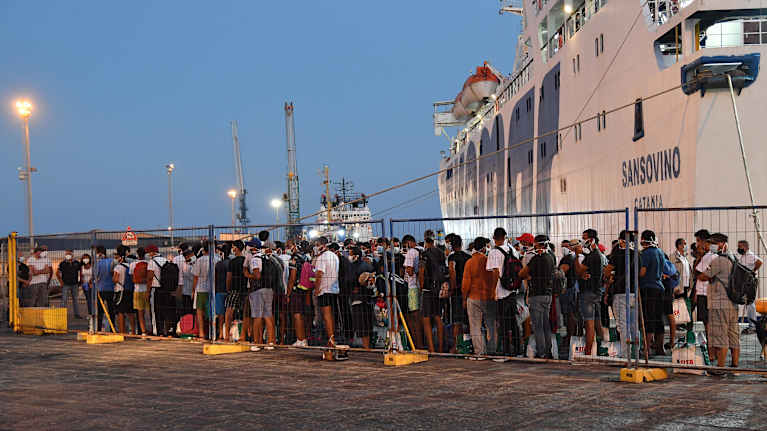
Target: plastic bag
{"x":578,"y":348}
{"x":681,"y":312}
{"x":523,"y":311}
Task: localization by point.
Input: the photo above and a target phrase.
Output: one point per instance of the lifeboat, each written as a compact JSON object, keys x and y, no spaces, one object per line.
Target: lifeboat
{"x":477,"y":88}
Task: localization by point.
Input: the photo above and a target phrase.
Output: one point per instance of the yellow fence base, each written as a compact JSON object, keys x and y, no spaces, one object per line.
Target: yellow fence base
{"x":82,"y":336}
{"x":103,"y":339}
{"x":397,"y":359}
{"x":642,"y":375}
{"x":42,"y":320}
{"x":221,"y":349}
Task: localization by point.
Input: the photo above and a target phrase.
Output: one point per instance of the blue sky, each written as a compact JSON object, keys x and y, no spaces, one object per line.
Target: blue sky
{"x":122,"y":88}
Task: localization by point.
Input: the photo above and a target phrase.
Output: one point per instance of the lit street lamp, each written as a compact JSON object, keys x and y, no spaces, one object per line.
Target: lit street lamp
{"x":24,"y":108}
{"x":276,"y":204}
{"x":232,"y":194}
{"x":170,"y":167}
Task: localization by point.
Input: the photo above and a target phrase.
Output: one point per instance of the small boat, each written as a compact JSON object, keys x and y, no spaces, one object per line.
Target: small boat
{"x":476,"y":90}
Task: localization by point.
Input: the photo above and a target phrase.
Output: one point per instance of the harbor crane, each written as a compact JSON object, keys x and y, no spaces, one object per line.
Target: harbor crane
{"x":292,"y":197}
{"x":242,"y":214}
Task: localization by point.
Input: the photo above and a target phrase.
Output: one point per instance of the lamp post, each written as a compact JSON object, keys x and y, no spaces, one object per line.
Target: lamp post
{"x":24,"y":108}
{"x":276,"y":204}
{"x":170,"y":167}
{"x":232,"y":194}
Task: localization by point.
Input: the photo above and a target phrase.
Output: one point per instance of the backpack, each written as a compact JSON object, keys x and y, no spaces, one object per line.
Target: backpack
{"x":139,"y":272}
{"x":742,"y":285}
{"x":306,"y":276}
{"x":271,"y":275}
{"x":128,"y":281}
{"x":435,"y":271}
{"x":510,"y":279}
{"x":168,"y":276}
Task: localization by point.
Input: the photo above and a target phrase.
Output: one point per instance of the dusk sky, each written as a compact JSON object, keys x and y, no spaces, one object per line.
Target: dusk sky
{"x":122,"y":88}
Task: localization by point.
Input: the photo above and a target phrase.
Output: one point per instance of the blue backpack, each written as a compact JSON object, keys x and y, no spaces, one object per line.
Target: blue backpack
{"x":671,"y":281}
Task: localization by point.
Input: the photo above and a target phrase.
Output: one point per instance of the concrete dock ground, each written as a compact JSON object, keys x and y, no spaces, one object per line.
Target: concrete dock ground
{"x":55,"y":382}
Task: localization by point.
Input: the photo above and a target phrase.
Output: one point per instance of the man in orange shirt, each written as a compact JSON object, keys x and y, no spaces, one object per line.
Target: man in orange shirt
{"x":479,"y":298}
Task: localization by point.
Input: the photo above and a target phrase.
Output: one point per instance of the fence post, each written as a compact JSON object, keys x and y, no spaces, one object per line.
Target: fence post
{"x":92,"y":324}
{"x":392,"y":294}
{"x":627,"y":276}
{"x":211,"y":283}
{"x":13,"y":293}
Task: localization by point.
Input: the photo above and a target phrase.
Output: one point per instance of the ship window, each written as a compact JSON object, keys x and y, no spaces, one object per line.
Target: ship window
{"x":602,"y":43}
{"x":530,"y":157}
{"x":563,"y":185}
{"x":638,"y":121}
{"x":599,"y":122}
{"x":574,"y":66}
{"x":497,"y":134}
{"x":527,"y":101}
{"x":480,"y":147}
{"x":542,"y":87}
{"x":449,"y":174}
{"x":596,"y":47}
{"x":517,"y":113}
{"x":508,"y":171}
{"x":604,"y":119}
{"x":668,"y":48}
{"x":578,"y":61}
{"x":557,"y":140}
{"x":543,"y":150}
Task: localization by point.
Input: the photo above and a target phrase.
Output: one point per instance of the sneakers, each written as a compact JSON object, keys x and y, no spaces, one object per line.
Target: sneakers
{"x":255,"y":349}
{"x":270,"y":346}
{"x":300,"y":343}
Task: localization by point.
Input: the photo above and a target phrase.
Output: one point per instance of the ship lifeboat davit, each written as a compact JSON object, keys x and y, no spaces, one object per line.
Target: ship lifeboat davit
{"x":477,"y":88}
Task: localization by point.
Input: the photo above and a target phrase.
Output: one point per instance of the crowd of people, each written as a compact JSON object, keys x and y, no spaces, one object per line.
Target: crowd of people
{"x":329,"y":292}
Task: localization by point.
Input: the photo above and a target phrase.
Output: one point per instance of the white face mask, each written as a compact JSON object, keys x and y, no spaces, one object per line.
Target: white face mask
{"x":44,"y":254}
{"x":68,"y":257}
{"x":86,"y":261}
{"x":396,"y":250}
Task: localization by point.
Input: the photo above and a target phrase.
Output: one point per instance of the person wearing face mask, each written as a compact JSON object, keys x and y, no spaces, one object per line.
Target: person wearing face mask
{"x":723,"y":333}
{"x":478,"y":293}
{"x":86,"y":279}
{"x":41,"y":271}
{"x":105,"y":287}
{"x":218,"y":304}
{"x":747,"y":258}
{"x":123,"y":290}
{"x":412,"y":306}
{"x":568,"y":301}
{"x":327,"y":289}
{"x":22,"y":284}
{"x":539,"y":273}
{"x":590,"y":273}
{"x":651,"y":289}
{"x":237,"y":291}
{"x":68,"y":275}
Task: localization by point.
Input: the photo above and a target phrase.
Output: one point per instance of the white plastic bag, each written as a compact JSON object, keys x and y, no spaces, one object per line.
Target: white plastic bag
{"x":523,"y":312}
{"x":578,"y":347}
{"x":688,"y":354}
{"x":681,"y":313}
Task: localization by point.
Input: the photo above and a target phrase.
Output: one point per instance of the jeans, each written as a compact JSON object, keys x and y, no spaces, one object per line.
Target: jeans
{"x":619,"y":310}
{"x":479,"y":311}
{"x":540,"y":306}
{"x":507,"y":317}
{"x":88,"y":292}
{"x":70,"y":290}
{"x":38,"y":295}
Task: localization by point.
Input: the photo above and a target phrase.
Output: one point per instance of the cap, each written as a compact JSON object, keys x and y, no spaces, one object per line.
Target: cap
{"x":575,"y":242}
{"x":602,"y":248}
{"x":364,"y":277}
{"x":255,"y":243}
{"x":151,"y":248}
{"x":526,"y":237}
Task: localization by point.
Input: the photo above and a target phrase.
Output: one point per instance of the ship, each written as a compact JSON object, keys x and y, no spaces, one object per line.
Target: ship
{"x":344,"y":215}
{"x":610,"y":105}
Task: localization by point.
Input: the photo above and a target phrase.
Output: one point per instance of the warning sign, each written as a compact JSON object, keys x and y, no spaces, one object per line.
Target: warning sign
{"x":129,"y":238}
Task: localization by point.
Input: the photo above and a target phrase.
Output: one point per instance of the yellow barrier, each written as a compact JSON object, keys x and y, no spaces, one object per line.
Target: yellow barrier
{"x":13,"y":296}
{"x":42,"y":320}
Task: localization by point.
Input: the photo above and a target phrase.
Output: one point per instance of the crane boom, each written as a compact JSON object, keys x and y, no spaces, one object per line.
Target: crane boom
{"x":242,"y":215}
{"x":294,"y":212}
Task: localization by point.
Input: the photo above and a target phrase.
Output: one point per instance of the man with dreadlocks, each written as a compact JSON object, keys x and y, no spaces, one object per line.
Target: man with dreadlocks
{"x":539,"y":273}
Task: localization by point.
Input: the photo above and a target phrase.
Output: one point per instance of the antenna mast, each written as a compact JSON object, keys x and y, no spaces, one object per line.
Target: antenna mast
{"x":242,"y":215}
{"x":294,"y":212}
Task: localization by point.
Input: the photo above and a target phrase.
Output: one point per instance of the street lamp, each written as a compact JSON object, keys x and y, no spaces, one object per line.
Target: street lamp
{"x":232,"y":194}
{"x":24,"y":108}
{"x":276,"y":204}
{"x":170,"y":167}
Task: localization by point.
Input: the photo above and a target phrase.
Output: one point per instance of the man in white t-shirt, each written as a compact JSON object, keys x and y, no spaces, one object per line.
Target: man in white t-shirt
{"x":326,"y":282}
{"x":505,"y":309}
{"x":164,"y":306}
{"x":701,"y":287}
{"x":202,"y":287}
{"x":747,"y":258}
{"x":261,"y":296}
{"x":40,"y":271}
{"x":413,"y":307}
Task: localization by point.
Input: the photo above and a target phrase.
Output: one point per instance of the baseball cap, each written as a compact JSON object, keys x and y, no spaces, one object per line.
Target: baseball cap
{"x":151,"y":248}
{"x":526,"y":237}
{"x":255,"y":243}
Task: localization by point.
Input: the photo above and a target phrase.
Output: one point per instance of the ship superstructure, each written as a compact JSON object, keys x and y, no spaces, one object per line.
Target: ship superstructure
{"x":563,"y":133}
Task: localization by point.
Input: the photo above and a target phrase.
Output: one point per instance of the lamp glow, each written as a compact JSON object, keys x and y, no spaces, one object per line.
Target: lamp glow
{"x":276,"y":203}
{"x":24,"y":108}
{"x":232,"y":193}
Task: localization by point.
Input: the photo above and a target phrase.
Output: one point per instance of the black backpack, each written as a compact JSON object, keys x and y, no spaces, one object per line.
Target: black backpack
{"x":271,"y":275}
{"x":435,"y":271}
{"x":743,"y":284}
{"x":168,"y":276}
{"x":510,"y":279}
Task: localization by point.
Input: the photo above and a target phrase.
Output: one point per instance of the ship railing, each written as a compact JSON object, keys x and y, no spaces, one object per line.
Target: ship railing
{"x":572,"y":25}
{"x":658,"y":12}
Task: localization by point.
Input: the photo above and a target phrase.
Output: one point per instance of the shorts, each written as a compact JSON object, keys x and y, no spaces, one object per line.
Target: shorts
{"x":220,"y":304}
{"x":457,"y":312}
{"x":589,"y":304}
{"x":701,"y":304}
{"x":327,"y":299}
{"x":261,"y":303}
{"x":430,"y":304}
{"x":723,"y":331}
{"x":140,"y":301}
{"x":568,"y":302}
{"x":300,"y":301}
{"x":202,"y":303}
{"x":668,"y":303}
{"x":125,"y":305}
{"x":413,"y":300}
{"x":362,"y":319}
{"x":234,"y":300}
